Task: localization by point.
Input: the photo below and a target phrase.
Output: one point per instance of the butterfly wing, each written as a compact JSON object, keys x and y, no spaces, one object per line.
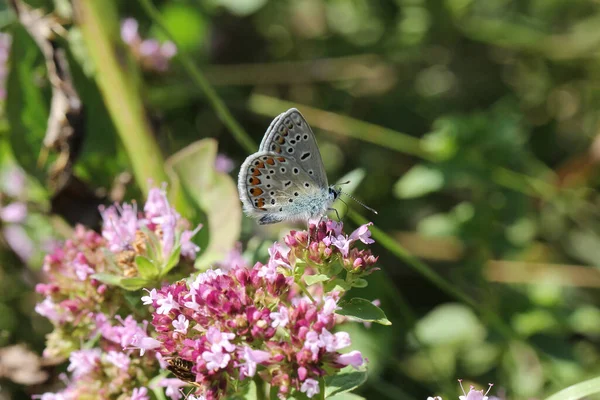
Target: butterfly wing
{"x":273,"y":188}
{"x":289,"y":134}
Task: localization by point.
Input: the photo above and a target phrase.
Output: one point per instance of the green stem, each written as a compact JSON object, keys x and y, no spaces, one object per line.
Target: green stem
{"x":98,"y":21}
{"x":392,"y":246}
{"x":394,"y":140}
{"x":261,"y":393}
{"x":240,"y":135}
{"x":402,"y":142}
{"x":578,"y":391}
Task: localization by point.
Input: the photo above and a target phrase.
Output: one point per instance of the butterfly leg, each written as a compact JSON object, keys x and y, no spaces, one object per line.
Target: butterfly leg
{"x":336,"y":213}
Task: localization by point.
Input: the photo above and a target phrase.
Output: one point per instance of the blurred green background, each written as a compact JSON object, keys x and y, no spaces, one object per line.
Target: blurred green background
{"x":470,"y":125}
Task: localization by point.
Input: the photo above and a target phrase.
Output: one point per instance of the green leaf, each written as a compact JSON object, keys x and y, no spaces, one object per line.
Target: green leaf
{"x":172,"y":261}
{"x":337,"y":285}
{"x":363,"y":310}
{"x":312,"y":279}
{"x":419,"y":181}
{"x":348,"y":379}
{"x":133,"y":283}
{"x":27,"y":101}
{"x":360,"y":283}
{"x":346,"y":396}
{"x":109,"y":279}
{"x":146,"y":268}
{"x":193,"y":175}
{"x":578,"y":391}
{"x":448,"y":324}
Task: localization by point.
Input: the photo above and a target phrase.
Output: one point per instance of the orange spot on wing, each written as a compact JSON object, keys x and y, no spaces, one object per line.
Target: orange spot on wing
{"x":261,"y":203}
{"x":260,"y":164}
{"x":281,"y":159}
{"x":256,"y":172}
{"x":270,"y":161}
{"x":254,"y":181}
{"x":256,"y":191}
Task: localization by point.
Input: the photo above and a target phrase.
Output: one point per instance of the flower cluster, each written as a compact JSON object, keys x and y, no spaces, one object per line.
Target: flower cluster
{"x":472,"y":395}
{"x":218,"y":330}
{"x":98,"y":374}
{"x":226,"y":325}
{"x":325,"y":243}
{"x":75,"y":296}
{"x":130,"y":233}
{"x":150,"y":53}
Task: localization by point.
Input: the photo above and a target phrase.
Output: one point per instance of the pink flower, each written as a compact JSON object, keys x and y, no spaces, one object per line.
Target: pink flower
{"x":48,"y":309}
{"x":353,"y":358}
{"x":167,"y":304}
{"x":120,"y":360}
{"x":172,"y":387}
{"x":152,"y":296}
{"x":129,"y":31}
{"x":19,"y":241}
{"x":334,"y":342}
{"x":81,"y":267}
{"x":215,"y":360}
{"x":310,"y":387}
{"x":252,"y":358}
{"x":280,"y":318}
{"x":181,"y":324}
{"x":363,"y":234}
{"x":341,"y":242}
{"x":14,"y":213}
{"x":313,"y":343}
{"x":474,"y":394}
{"x":189,"y":248}
{"x":82,"y":362}
{"x":144,"y":343}
{"x":140,"y":394}
{"x":223,"y":163}
{"x":220,"y":340}
{"x":119,"y":226}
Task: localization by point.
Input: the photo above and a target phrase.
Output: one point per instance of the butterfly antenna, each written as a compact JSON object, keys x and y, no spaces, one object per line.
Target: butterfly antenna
{"x":360,"y":202}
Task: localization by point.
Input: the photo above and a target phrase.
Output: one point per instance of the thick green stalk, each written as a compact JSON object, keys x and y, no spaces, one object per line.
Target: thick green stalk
{"x":98,"y":21}
{"x":391,"y":245}
{"x":240,"y":135}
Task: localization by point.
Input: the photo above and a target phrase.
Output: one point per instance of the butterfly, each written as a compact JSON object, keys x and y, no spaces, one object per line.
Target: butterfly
{"x":182,"y":369}
{"x":285,"y":179}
